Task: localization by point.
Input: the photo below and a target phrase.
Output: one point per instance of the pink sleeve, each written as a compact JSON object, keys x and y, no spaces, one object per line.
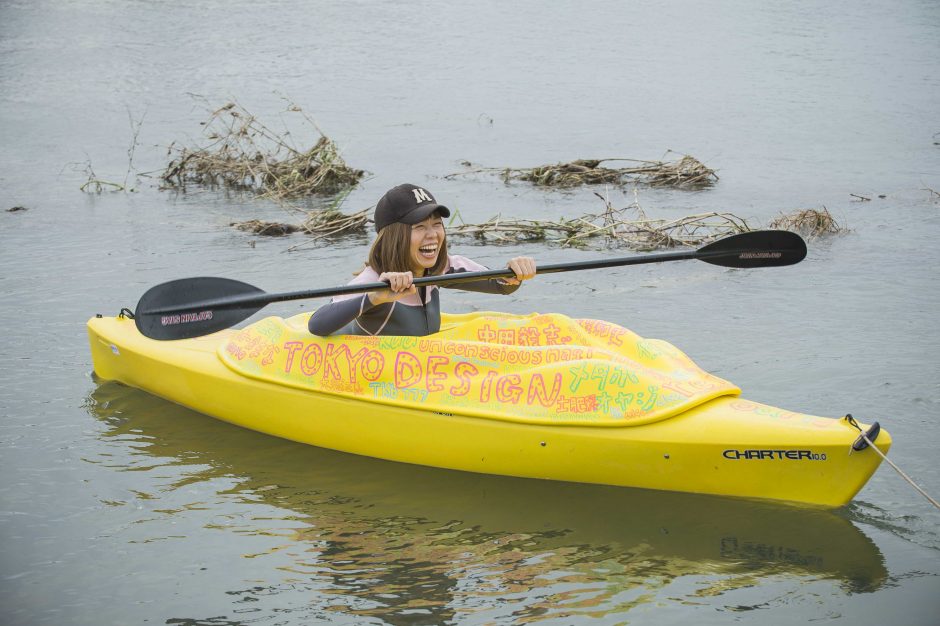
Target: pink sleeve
{"x":368,"y":275}
{"x":463,"y":263}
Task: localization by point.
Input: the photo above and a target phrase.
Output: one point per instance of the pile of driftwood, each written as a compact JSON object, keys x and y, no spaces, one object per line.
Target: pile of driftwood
{"x":626,"y":227}
{"x":684,"y":172}
{"x":245,"y":154}
{"x":319,"y":224}
{"x":809,"y":222}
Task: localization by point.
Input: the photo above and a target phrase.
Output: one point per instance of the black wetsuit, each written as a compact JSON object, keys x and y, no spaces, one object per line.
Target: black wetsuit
{"x":415,"y":315}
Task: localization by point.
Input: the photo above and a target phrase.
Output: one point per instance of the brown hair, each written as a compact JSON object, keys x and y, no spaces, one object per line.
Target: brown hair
{"x":391,"y":251}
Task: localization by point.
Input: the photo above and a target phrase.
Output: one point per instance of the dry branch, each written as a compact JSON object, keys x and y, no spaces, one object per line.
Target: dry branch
{"x":320,"y":224}
{"x":810,"y":223}
{"x":627,"y":227}
{"x":685,"y":172}
{"x":269,"y":229}
{"x":245,"y":154}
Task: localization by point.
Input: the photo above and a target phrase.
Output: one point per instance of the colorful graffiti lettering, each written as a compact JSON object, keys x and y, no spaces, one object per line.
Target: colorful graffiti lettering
{"x":526,"y":369}
{"x":549,"y":335}
{"x":576,"y":404}
{"x":605,"y":330}
{"x":604,"y":373}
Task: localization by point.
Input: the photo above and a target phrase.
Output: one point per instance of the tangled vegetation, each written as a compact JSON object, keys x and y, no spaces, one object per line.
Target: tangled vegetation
{"x":245,"y":154}
{"x":321,"y":224}
{"x":625,"y":227}
{"x":684,"y":172}
{"x":809,"y":223}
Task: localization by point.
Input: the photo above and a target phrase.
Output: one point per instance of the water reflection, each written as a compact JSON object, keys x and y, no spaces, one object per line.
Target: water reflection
{"x":346,"y":535}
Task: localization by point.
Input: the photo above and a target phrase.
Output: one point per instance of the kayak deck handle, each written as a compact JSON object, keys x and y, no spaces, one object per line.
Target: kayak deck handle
{"x":865,"y":438}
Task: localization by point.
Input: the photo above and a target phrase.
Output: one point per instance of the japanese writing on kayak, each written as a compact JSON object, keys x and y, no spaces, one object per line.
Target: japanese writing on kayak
{"x":535,"y":368}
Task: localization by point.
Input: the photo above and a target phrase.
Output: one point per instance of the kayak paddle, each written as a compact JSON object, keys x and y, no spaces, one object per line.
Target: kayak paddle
{"x":192,"y":307}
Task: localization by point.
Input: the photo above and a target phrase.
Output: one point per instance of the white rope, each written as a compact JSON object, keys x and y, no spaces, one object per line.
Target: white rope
{"x":898,"y":470}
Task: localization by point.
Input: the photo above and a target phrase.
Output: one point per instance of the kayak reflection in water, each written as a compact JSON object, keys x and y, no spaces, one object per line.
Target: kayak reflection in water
{"x":411,"y":242}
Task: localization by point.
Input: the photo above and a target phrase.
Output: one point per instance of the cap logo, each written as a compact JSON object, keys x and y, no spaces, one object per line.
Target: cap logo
{"x":421,"y":195}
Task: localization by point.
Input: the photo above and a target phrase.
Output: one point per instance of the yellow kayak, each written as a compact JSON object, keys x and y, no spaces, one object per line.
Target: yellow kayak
{"x":538,"y":396}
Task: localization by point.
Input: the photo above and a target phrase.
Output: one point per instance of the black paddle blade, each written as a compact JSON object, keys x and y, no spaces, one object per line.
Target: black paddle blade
{"x":759,"y":248}
{"x":185,"y":321}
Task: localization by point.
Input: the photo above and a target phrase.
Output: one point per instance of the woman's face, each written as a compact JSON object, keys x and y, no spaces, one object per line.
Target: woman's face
{"x":427,"y":237}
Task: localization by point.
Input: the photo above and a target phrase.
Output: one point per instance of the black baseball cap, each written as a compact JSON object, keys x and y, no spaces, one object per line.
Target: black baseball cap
{"x":408,"y":204}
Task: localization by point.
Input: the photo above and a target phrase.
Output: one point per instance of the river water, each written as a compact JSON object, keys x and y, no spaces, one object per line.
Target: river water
{"x":119,"y":508}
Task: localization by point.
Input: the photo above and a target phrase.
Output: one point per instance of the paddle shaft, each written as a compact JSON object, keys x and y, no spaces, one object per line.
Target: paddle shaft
{"x":262,"y":299}
{"x":192,"y":307}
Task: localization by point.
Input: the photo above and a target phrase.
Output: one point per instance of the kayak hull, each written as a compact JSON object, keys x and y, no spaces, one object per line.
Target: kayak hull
{"x":727,"y":446}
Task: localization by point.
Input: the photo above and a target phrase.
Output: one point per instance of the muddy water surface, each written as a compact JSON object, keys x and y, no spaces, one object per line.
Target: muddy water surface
{"x":119,"y":508}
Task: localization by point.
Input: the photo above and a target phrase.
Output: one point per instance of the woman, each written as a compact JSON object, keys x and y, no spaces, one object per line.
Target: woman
{"x":411,"y":242}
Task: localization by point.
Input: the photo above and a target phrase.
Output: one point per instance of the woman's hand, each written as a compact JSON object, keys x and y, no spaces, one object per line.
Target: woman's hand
{"x":523,"y":267}
{"x":400,"y":285}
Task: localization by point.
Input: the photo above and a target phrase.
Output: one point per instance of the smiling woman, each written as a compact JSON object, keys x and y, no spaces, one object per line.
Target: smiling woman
{"x":411,"y":242}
